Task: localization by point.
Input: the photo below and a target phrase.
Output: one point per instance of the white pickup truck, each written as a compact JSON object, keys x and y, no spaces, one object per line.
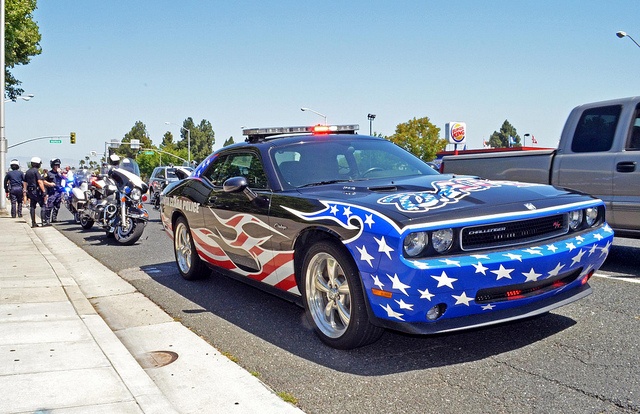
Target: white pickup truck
{"x":598,"y":154}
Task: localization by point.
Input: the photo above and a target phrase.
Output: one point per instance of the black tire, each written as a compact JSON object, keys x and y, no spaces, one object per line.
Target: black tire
{"x":85,"y":222}
{"x":136,"y":227}
{"x":189,"y":263}
{"x":333,"y":298}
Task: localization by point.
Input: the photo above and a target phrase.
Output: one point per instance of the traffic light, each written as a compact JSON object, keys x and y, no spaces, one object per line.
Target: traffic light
{"x":72,"y":137}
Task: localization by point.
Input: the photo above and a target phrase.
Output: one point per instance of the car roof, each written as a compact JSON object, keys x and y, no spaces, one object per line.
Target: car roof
{"x":283,"y":140}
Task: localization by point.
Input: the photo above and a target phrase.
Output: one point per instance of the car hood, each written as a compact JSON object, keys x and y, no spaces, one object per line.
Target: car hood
{"x":443,"y":197}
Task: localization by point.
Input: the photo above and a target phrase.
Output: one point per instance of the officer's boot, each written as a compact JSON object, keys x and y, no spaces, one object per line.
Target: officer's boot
{"x":44,"y":216}
{"x":32,"y":213}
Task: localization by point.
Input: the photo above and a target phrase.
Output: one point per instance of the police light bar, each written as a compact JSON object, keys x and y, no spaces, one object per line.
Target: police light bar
{"x":258,"y":134}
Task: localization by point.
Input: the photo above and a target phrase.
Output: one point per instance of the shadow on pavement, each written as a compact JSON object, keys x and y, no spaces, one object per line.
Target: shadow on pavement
{"x":623,"y":260}
{"x":283,"y":324}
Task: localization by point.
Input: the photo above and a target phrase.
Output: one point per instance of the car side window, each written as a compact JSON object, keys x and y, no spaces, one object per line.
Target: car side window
{"x":596,"y":129}
{"x":633,"y":141}
{"x":160,"y":173}
{"x":243,"y":164}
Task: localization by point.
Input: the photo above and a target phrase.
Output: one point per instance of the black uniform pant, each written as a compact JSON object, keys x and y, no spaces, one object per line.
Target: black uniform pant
{"x":16,"y":196}
{"x":36,"y":197}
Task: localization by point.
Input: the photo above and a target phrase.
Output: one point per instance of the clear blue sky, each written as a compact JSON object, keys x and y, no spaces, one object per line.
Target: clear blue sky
{"x":107,"y":64}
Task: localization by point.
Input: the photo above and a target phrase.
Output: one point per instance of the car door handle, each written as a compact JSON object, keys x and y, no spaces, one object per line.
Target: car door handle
{"x":212,"y":200}
{"x":626,"y":166}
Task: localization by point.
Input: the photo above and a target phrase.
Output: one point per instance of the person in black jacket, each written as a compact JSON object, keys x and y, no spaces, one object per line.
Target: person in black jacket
{"x":34,"y":187}
{"x":13,"y":188}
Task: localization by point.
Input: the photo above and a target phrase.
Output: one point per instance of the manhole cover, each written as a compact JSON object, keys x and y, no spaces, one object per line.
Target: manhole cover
{"x":156,"y":359}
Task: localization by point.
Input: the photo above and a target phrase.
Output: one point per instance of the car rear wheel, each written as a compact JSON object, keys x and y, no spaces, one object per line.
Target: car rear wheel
{"x":189,"y":263}
{"x":333,"y":298}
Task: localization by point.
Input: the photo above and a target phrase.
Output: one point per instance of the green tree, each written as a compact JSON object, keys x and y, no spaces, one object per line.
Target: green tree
{"x":167,"y":142}
{"x":147,"y":162}
{"x":506,"y":137}
{"x":228,"y":141}
{"x":202,"y":138}
{"x":22,"y":40}
{"x":139,"y":132}
{"x":420,"y":137}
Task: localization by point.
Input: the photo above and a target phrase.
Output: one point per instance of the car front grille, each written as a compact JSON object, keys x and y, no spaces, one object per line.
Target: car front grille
{"x":513,"y":232}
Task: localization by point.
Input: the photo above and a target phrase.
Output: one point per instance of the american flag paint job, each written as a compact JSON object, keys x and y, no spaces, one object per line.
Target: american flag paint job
{"x":414,"y":286}
{"x":260,"y":234}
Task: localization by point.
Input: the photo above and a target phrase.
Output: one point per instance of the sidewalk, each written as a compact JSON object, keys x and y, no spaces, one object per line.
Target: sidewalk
{"x":59,"y":355}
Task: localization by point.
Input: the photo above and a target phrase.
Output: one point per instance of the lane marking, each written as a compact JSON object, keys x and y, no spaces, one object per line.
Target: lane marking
{"x":624,"y":279}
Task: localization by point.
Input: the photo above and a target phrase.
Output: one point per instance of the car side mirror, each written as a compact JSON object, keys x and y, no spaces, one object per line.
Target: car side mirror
{"x":240,"y":184}
{"x":235,"y":185}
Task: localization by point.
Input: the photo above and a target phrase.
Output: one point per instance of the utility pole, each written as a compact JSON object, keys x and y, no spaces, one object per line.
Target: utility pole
{"x":3,"y":138}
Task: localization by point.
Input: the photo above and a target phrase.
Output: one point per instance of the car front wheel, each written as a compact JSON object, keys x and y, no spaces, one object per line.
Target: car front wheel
{"x":333,"y":298}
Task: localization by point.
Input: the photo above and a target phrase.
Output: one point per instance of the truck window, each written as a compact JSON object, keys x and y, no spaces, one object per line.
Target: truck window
{"x":633,"y":141}
{"x":596,"y":129}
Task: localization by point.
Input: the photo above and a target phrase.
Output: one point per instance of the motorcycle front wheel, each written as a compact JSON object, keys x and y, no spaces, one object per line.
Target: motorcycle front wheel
{"x":86,"y":222}
{"x":132,"y":233}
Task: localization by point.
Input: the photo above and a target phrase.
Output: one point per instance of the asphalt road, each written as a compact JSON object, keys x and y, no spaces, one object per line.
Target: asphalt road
{"x":582,"y":358}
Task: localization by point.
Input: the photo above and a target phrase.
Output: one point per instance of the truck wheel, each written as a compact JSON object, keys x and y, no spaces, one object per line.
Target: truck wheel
{"x":189,"y":263}
{"x":333,"y":298}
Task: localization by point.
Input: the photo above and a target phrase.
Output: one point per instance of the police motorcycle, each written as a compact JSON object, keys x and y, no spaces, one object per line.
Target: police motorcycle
{"x":155,"y":196}
{"x":115,"y":203}
{"x":76,"y":192}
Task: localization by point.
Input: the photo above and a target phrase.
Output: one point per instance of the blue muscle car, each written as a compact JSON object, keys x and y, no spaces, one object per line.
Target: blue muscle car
{"x":365,"y":236}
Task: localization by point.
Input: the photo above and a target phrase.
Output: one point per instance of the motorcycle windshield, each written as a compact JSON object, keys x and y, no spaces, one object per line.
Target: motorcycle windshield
{"x":124,"y":177}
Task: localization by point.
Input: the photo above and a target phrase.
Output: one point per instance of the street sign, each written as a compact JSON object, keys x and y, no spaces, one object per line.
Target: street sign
{"x":148,"y":152}
{"x":55,"y":141}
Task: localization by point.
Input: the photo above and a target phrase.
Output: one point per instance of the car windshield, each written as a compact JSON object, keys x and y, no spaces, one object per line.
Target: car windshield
{"x":329,"y":161}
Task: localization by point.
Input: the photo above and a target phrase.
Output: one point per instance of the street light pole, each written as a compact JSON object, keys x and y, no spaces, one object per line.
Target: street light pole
{"x":3,"y":139}
{"x":315,"y":112}
{"x":23,"y":97}
{"x":371,"y":117}
{"x":188,"y":140}
{"x":622,"y":34}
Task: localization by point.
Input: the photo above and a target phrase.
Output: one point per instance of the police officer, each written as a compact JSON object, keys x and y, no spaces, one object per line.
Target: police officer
{"x":34,"y":187}
{"x":53,"y":184}
{"x":13,"y":188}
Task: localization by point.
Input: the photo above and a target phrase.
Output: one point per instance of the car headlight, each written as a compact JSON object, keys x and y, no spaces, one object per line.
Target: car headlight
{"x":591,"y":215}
{"x":442,"y":240}
{"x":575,"y":219}
{"x":415,"y":243}
{"x":135,"y":194}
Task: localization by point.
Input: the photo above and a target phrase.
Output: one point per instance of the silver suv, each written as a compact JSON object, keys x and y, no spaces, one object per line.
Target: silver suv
{"x":160,"y":177}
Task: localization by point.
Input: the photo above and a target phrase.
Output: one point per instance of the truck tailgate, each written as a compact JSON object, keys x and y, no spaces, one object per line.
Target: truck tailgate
{"x":526,"y":166}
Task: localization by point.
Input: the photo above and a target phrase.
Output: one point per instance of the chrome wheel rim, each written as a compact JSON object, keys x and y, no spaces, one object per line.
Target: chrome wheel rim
{"x":183,"y":248}
{"x":122,"y":233}
{"x":328,"y":295}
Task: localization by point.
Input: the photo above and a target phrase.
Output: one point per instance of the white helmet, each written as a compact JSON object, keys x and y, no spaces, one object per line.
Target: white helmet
{"x":36,"y":160}
{"x":15,"y":162}
{"x":114,"y":159}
